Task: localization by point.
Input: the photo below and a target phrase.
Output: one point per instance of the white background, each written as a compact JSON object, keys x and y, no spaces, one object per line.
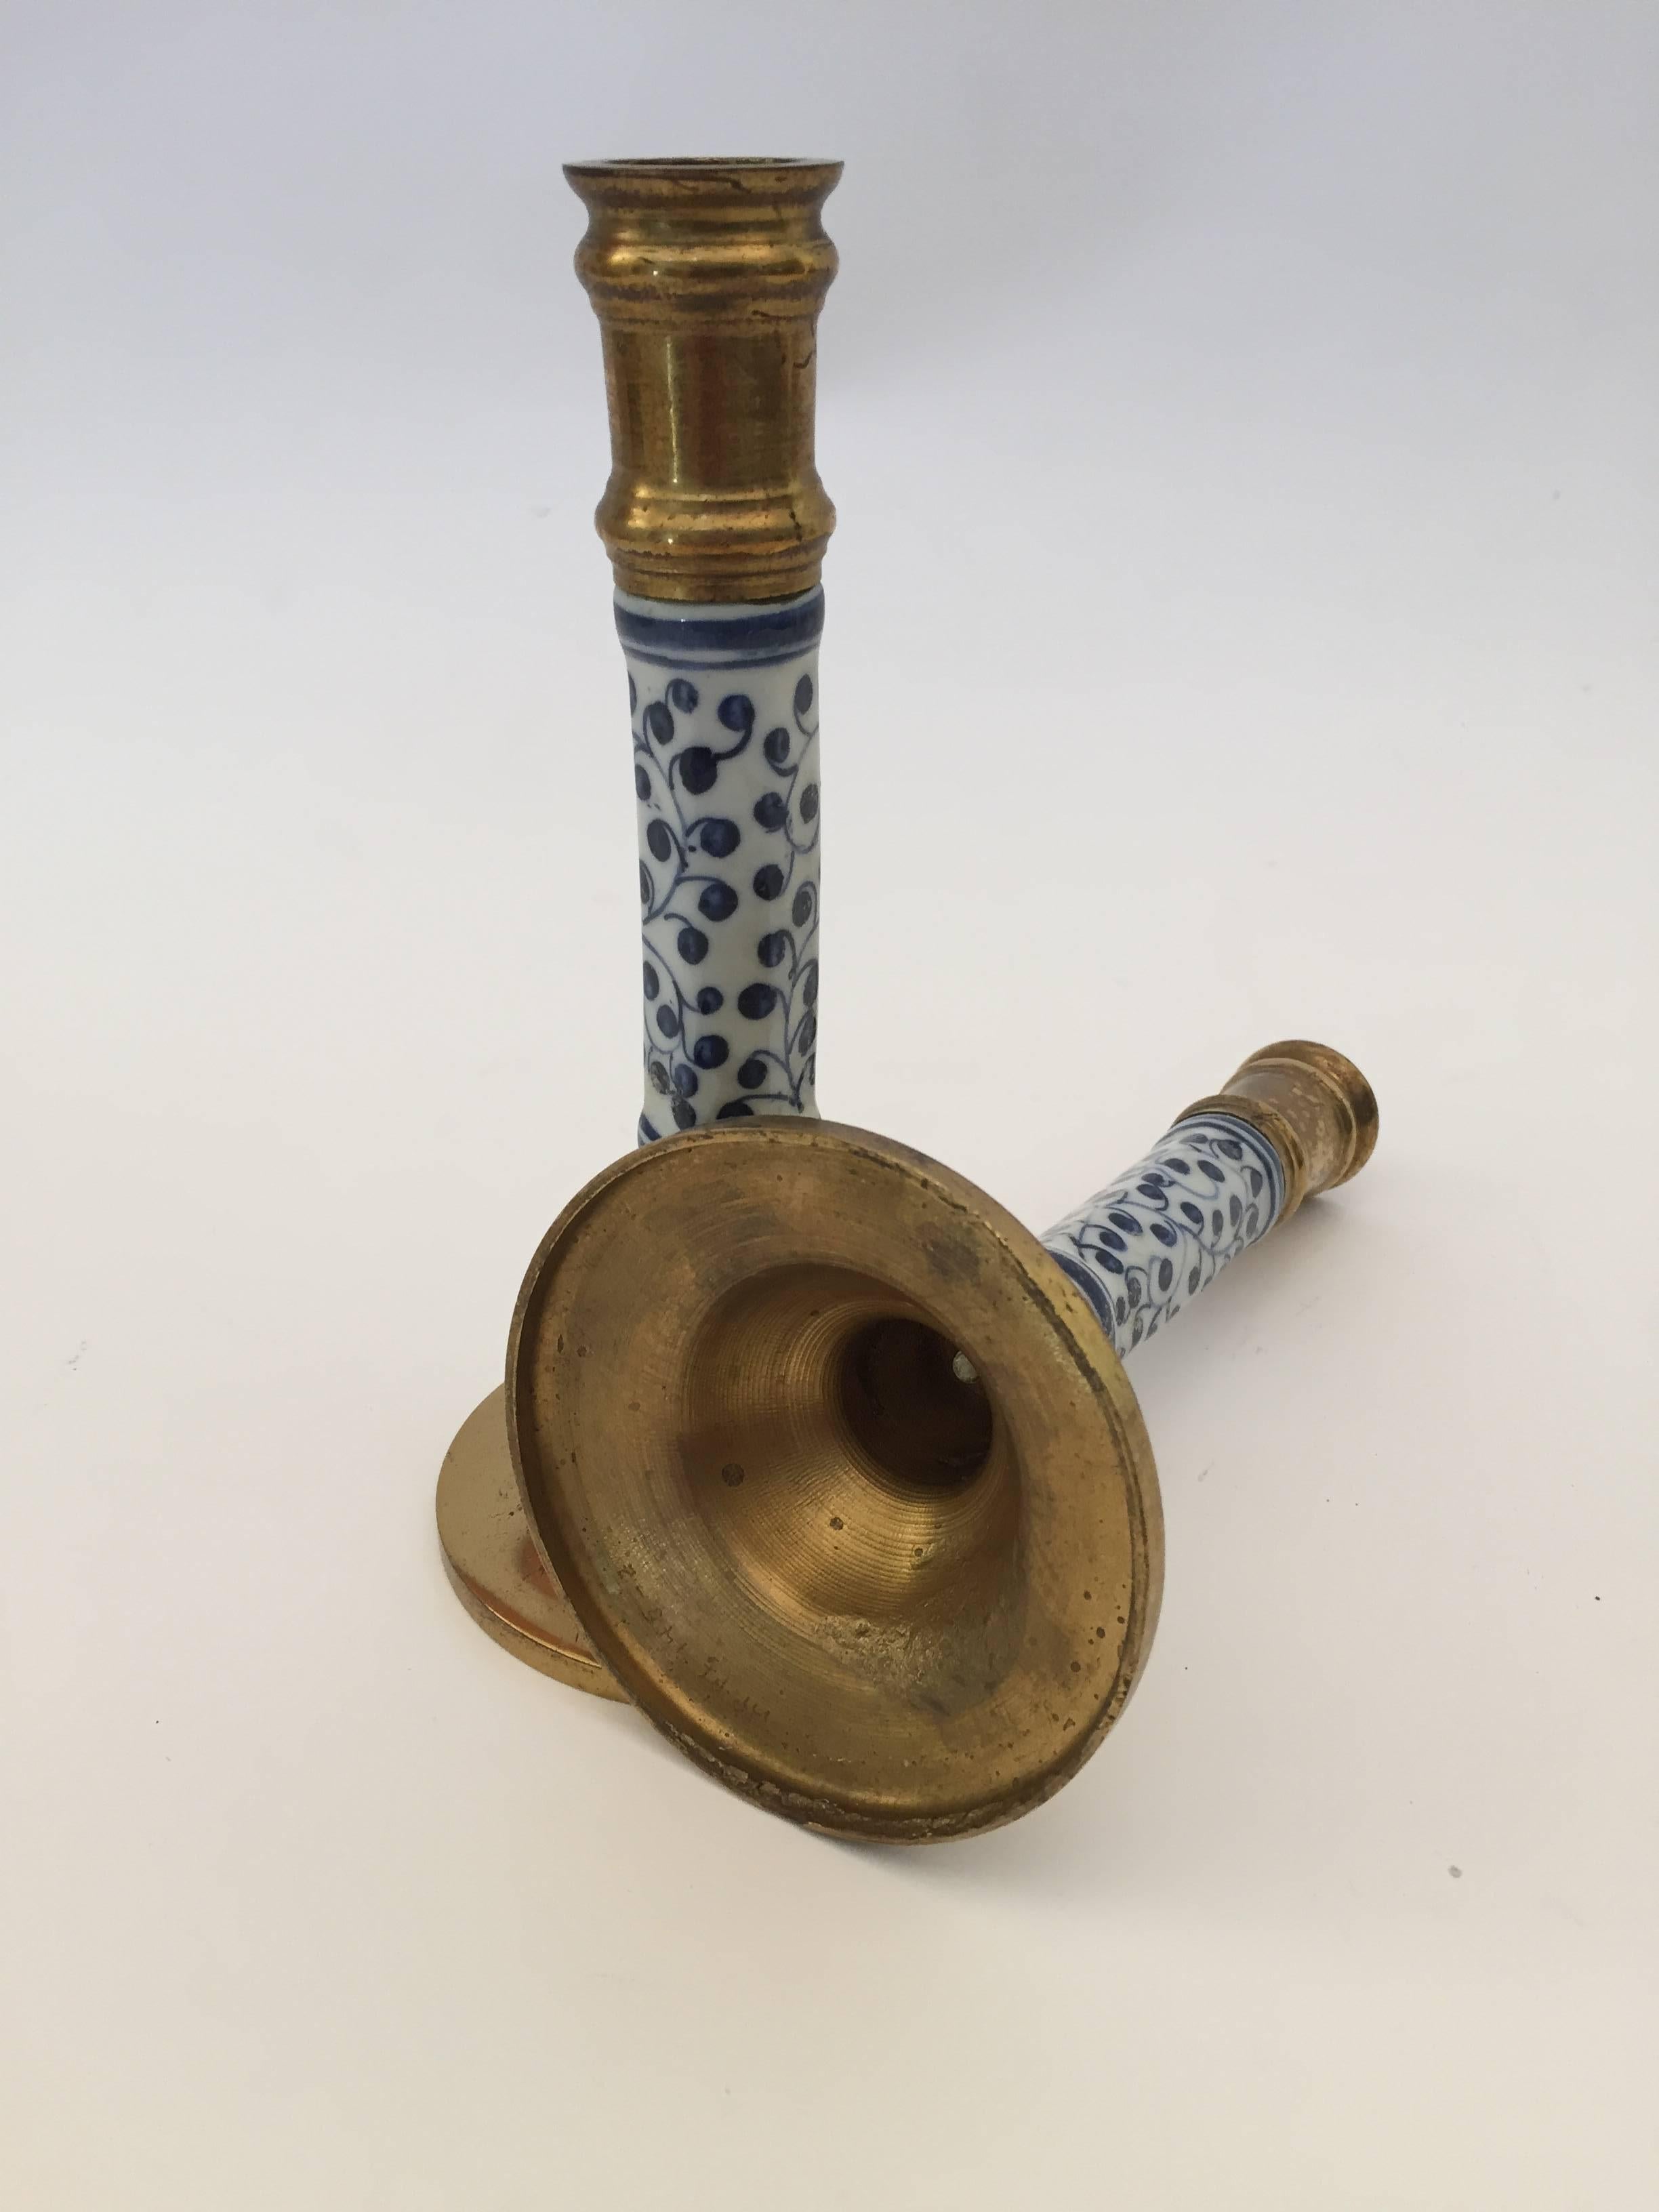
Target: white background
{"x":1244,"y":422}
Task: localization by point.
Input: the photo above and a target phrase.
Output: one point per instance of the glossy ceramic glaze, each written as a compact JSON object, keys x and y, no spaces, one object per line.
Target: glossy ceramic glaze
{"x":724,"y":714}
{"x":1150,"y":1241}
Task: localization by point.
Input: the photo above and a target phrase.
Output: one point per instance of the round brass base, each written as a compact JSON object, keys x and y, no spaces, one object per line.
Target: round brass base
{"x":492,"y":1562}
{"x":841,"y":1475}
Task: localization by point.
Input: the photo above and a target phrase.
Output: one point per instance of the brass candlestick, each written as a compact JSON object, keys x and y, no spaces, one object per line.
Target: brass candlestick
{"x":839,"y":1464}
{"x":707,"y":277}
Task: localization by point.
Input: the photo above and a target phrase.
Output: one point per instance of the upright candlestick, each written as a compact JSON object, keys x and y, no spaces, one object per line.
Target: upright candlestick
{"x":707,"y":277}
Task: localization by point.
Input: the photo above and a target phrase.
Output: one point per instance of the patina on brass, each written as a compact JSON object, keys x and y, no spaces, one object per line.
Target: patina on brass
{"x":491,"y":1559}
{"x":840,"y":1472}
{"x":1314,"y":1108}
{"x":707,"y":277}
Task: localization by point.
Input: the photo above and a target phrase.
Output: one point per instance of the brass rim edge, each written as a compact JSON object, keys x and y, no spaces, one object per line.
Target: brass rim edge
{"x":588,"y":1195}
{"x":574,"y":1674}
{"x":500,"y":1600}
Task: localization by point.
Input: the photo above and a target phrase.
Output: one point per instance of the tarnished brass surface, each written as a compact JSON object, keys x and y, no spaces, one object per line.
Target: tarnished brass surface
{"x":841,"y":1472}
{"x":708,"y":277}
{"x":902,"y":1620}
{"x":492,"y":1562}
{"x":1313,"y":1106}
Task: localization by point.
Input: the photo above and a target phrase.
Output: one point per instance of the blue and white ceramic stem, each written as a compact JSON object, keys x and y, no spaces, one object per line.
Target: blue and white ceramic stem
{"x":725,"y":711}
{"x":1145,"y":1246}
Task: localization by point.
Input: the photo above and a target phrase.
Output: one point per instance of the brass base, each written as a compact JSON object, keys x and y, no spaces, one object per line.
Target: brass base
{"x":841,"y":1474}
{"x":492,"y":1562}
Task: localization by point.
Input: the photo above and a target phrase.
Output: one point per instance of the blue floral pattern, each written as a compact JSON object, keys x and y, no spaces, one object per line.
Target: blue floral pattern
{"x":1139,"y":1249}
{"x":724,"y":707}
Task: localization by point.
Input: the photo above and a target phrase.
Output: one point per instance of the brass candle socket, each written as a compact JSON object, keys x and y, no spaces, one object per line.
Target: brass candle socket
{"x":707,"y":277}
{"x":838,"y":1466}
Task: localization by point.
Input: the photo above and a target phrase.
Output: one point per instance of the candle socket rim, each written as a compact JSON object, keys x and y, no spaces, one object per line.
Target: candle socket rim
{"x":695,"y":166}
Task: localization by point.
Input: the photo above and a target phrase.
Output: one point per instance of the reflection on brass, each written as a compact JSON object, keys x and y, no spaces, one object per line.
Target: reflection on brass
{"x":840,"y":1470}
{"x":708,"y":277}
{"x":492,"y":1562}
{"x":1314,"y":1108}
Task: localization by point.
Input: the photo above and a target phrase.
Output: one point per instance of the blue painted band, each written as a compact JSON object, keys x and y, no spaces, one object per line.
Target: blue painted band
{"x":743,"y":636}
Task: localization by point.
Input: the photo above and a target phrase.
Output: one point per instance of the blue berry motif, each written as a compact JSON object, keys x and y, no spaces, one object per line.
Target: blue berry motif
{"x":1139,"y":1249}
{"x":725,"y":712}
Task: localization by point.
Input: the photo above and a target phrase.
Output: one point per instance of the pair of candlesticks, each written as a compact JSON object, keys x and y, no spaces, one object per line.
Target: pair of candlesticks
{"x":806,"y":1446}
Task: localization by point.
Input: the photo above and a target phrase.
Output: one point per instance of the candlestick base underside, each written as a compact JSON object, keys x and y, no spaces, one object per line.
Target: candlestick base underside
{"x":841,"y":1474}
{"x":492,"y":1562}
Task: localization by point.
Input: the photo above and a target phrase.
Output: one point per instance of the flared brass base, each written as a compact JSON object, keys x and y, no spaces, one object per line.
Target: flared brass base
{"x":492,"y":1562}
{"x":841,"y":1474}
